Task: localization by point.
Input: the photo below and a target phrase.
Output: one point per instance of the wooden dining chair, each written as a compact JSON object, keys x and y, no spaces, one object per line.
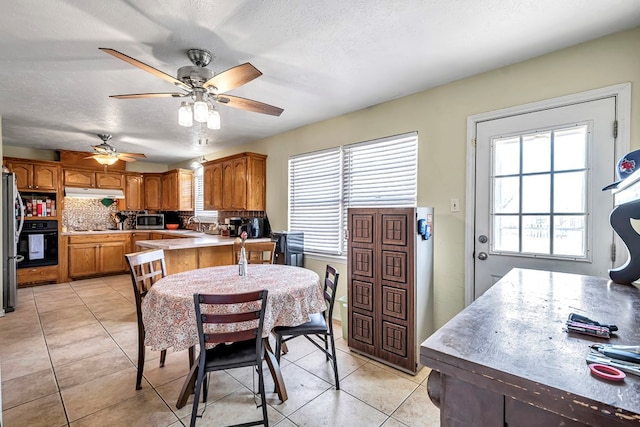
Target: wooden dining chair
{"x":230,"y":336}
{"x":319,"y":330}
{"x":147,"y":268}
{"x":256,"y":252}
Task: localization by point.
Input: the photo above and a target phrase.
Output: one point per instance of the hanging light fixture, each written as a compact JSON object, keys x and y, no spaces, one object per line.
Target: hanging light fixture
{"x":105,"y":159}
{"x":201,"y":110}
{"x":197,"y":164}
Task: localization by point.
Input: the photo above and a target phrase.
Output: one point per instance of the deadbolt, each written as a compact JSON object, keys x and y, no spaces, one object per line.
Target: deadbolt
{"x":482,"y":256}
{"x":483,"y":239}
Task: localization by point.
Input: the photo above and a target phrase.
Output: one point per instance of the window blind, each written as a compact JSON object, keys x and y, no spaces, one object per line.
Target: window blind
{"x":315,"y":200}
{"x":198,"y":181}
{"x":323,"y":185}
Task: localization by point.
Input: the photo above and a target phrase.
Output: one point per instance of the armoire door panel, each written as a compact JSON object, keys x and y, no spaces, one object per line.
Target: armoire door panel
{"x":394,"y":229}
{"x":394,"y":338}
{"x":362,"y":228}
{"x":394,"y":302}
{"x":362,"y":295}
{"x":394,"y":266}
{"x":362,"y":262}
{"x":363,"y":328}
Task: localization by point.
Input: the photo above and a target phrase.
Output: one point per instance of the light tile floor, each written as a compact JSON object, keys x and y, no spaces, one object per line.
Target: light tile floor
{"x":68,"y":356}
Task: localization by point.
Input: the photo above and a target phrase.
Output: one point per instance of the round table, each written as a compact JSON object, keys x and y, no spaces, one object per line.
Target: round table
{"x":168,"y":310}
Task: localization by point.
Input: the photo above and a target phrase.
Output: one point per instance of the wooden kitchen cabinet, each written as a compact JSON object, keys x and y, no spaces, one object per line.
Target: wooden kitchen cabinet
{"x":236,"y":182}
{"x":152,"y":184}
{"x":136,"y":236}
{"x":133,"y":193}
{"x":91,"y":179}
{"x":177,"y":190}
{"x":35,"y":176}
{"x":212,"y":180}
{"x":109,"y":180}
{"x":94,"y":255}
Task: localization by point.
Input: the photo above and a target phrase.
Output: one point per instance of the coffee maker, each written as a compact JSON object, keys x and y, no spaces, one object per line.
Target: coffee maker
{"x":234,"y":226}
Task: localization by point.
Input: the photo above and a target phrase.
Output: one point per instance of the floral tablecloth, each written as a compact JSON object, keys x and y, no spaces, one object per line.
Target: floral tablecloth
{"x":168,"y":311}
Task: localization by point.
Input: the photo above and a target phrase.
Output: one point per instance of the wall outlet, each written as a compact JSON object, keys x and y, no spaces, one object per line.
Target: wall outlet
{"x":454,"y":205}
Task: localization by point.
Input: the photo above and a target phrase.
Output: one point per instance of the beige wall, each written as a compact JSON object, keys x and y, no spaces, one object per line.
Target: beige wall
{"x":439,"y":115}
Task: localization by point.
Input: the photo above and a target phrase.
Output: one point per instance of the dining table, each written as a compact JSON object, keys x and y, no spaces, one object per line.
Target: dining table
{"x":168,"y":311}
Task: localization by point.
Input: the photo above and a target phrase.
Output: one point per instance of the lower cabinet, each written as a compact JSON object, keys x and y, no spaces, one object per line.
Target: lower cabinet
{"x":97,"y":255}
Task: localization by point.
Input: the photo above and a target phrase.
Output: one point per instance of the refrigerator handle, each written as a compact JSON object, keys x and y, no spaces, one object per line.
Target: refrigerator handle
{"x":19,"y":197}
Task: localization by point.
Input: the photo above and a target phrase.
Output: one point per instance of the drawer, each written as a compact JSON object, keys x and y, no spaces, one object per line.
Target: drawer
{"x":99,"y":238}
{"x":33,"y":275}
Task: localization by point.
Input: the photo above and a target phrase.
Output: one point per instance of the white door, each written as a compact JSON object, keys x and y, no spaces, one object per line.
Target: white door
{"x":539,"y":202}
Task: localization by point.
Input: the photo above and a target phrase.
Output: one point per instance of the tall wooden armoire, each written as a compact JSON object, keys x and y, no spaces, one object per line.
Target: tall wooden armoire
{"x":390,"y":283}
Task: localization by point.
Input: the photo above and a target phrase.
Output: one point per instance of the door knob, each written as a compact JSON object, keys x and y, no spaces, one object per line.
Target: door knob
{"x":482,"y":256}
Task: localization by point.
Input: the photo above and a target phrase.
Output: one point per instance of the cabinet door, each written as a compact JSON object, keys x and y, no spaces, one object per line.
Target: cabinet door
{"x":170,"y":191}
{"x":216,"y":187}
{"x":24,"y":174}
{"x":112,"y":257}
{"x":109,"y":180}
{"x":135,"y":237}
{"x":152,"y":192}
{"x":79,"y":178}
{"x":227,"y":185}
{"x":45,"y":177}
{"x":83,"y":259}
{"x":133,"y":192}
{"x":239,"y":193}
{"x":207,"y":187}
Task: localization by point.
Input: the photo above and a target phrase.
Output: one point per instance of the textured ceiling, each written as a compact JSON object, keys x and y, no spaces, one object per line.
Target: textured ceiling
{"x":319,"y":59}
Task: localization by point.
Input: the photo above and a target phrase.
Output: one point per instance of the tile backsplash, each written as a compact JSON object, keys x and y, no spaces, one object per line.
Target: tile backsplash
{"x":87,"y":214}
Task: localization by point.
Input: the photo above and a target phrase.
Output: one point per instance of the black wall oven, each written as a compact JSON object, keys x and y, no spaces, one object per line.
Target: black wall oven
{"x":38,"y":244}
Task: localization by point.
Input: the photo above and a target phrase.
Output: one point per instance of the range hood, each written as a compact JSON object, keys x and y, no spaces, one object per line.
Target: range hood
{"x":93,"y":193}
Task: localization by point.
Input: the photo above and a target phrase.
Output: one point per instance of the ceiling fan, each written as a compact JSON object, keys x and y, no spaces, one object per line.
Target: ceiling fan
{"x":203,"y":86}
{"x":106,"y":154}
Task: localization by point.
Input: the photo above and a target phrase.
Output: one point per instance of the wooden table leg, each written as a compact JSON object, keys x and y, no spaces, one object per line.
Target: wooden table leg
{"x":274,"y":368}
{"x":187,"y":387}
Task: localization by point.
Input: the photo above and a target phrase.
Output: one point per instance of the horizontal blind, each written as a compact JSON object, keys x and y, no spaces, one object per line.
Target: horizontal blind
{"x":381,"y":172}
{"x":315,"y":200}
{"x":198,"y":181}
{"x":378,"y":173}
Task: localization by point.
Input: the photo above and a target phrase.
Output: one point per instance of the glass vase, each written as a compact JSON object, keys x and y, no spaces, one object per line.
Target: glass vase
{"x":242,"y":263}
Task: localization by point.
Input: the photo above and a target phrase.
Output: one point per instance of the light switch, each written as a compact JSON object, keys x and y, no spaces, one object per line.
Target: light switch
{"x":454,"y":205}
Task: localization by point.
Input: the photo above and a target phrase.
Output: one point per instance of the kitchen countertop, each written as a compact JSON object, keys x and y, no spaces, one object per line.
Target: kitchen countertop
{"x":190,"y":238}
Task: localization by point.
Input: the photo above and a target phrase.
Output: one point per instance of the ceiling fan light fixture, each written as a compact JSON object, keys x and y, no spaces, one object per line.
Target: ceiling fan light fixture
{"x":105,"y":159}
{"x":213,"y":120}
{"x":200,"y":111}
{"x":185,"y":118}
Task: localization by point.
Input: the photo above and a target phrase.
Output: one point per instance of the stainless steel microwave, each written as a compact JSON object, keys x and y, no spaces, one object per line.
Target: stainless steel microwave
{"x":149,"y":221}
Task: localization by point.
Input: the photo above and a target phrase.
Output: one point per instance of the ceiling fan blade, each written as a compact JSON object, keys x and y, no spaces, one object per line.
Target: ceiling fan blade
{"x":249,"y":105}
{"x":145,"y":67}
{"x":127,"y":159}
{"x":149,"y":95}
{"x":233,"y":77}
{"x":132,"y":155}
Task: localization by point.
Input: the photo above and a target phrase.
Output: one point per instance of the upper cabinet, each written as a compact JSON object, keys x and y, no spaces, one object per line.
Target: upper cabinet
{"x":34,"y":176}
{"x":236,"y":183}
{"x":133,"y":192}
{"x":91,"y":179}
{"x":177,"y":190}
{"x":152,"y":183}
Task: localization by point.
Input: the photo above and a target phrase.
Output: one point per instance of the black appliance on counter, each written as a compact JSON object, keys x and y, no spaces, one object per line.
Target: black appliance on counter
{"x":256,"y":227}
{"x":289,"y":247}
{"x":38,"y":244}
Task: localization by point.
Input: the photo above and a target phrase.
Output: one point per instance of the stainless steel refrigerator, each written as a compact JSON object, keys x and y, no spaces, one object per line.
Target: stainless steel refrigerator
{"x":12,"y":222}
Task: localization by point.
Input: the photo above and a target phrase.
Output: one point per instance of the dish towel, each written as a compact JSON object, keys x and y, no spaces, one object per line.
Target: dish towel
{"x":36,"y":246}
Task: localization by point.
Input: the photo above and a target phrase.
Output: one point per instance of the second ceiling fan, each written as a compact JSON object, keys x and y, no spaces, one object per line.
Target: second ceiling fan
{"x":202,"y":85}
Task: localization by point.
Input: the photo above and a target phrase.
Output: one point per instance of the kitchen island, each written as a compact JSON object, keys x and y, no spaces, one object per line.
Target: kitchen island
{"x":97,"y":252}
